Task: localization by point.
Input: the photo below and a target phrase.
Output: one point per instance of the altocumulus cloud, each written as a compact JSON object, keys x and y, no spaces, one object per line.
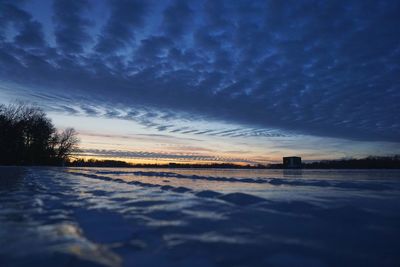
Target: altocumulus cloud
{"x":160,"y":156}
{"x":325,"y":68}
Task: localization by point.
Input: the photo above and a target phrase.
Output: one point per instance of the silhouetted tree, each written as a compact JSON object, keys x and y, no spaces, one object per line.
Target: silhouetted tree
{"x":66,"y":144}
{"x":28,"y":137}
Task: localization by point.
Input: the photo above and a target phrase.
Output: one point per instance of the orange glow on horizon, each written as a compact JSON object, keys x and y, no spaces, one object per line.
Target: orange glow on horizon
{"x":158,"y":161}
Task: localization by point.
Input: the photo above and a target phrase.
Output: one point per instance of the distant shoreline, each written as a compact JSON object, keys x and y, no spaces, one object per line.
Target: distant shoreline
{"x":200,"y":168}
{"x":390,"y":162}
{"x":371,"y":162}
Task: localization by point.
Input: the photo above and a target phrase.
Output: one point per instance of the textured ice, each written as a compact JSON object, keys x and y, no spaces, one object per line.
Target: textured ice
{"x":153,"y":217}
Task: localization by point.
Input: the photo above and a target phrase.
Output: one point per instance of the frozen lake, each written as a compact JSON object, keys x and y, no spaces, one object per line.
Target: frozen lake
{"x":182,"y":217}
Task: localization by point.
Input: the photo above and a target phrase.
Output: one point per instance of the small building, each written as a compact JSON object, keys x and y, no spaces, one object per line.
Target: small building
{"x":291,"y":162}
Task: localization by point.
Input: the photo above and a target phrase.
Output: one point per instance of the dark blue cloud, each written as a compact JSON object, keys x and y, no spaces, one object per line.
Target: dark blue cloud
{"x":27,"y":32}
{"x":125,"y":19}
{"x":177,"y":18}
{"x":70,"y":25}
{"x":30,"y":35}
{"x":326,"y":68}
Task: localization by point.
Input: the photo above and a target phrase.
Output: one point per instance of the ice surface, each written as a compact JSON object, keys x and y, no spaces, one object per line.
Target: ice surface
{"x":181,"y":217}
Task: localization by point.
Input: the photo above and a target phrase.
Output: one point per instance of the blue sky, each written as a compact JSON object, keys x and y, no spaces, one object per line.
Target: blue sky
{"x":239,"y":81}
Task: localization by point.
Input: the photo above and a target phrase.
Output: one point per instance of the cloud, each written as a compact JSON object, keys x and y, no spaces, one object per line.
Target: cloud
{"x":321,"y":68}
{"x":176,"y":157}
{"x":177,"y":18}
{"x":28,"y":32}
{"x":125,"y":18}
{"x":71,"y":28}
{"x":165,"y":121}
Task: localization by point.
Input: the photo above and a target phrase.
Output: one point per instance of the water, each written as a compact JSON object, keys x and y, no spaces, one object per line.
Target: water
{"x":182,"y":217}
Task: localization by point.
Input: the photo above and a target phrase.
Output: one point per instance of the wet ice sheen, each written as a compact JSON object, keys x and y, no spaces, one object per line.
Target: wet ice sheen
{"x":130,"y":217}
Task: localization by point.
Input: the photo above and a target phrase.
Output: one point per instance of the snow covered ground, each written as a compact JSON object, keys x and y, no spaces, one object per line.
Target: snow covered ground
{"x":175,"y":217}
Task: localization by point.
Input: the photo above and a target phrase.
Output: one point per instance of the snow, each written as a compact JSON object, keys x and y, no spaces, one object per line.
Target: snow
{"x":181,"y":217}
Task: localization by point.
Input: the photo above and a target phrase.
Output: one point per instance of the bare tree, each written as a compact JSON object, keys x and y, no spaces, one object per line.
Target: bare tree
{"x":67,"y":144}
{"x":27,"y":136}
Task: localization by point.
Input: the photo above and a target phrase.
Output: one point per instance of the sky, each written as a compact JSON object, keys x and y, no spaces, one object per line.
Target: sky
{"x":209,"y":81}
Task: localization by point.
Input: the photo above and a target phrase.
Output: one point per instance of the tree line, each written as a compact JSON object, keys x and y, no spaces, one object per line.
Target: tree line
{"x":124,"y":164}
{"x":371,"y":162}
{"x":28,"y":137}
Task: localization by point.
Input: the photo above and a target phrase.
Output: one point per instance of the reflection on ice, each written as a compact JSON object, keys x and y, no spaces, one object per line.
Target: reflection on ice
{"x":51,"y":245}
{"x":209,"y":237}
